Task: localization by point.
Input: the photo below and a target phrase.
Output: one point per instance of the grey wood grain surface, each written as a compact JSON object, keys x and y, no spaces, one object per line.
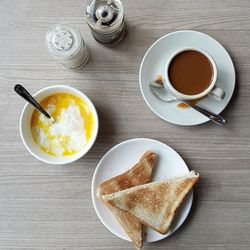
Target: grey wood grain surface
{"x":50,"y":207}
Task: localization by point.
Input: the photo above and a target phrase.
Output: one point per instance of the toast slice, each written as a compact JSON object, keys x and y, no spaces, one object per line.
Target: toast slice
{"x":139,"y":174}
{"x":155,"y":203}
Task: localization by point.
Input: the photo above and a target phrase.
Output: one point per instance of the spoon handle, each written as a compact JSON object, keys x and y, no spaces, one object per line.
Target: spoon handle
{"x":20,"y":90}
{"x":212,"y":116}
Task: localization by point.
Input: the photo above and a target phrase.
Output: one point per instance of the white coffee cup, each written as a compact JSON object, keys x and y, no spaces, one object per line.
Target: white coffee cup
{"x":212,"y":90}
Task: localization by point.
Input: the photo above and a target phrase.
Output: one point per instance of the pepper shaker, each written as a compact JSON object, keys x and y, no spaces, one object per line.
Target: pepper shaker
{"x":106,"y":21}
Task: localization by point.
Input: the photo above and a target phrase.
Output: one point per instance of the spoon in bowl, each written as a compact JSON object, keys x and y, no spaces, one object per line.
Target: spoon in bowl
{"x":20,"y":90}
{"x":159,"y":91}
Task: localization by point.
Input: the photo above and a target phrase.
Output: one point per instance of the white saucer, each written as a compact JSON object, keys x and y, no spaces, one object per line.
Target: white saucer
{"x":122,"y":157}
{"x":153,"y":64}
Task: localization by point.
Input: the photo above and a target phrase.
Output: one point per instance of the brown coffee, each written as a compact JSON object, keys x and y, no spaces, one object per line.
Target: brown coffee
{"x":190,"y":72}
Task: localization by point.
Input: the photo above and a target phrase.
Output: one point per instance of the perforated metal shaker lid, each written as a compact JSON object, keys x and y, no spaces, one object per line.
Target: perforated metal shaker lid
{"x":104,"y":16}
{"x":63,"y":41}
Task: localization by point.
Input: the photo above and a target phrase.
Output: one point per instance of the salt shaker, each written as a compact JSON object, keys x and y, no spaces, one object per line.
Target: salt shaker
{"x":106,"y":21}
{"x":66,"y":44}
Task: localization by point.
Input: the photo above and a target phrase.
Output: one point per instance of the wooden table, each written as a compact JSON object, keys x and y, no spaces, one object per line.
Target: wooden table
{"x":50,"y":207}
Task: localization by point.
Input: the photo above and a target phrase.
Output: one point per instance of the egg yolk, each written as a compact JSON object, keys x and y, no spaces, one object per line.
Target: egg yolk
{"x":71,"y":130}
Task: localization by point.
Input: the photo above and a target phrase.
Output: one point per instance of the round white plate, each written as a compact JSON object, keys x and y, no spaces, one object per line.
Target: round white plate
{"x":122,"y":157}
{"x":153,"y":64}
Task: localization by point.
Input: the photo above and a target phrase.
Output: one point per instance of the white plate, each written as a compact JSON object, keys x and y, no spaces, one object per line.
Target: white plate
{"x":122,"y":157}
{"x":153,"y":64}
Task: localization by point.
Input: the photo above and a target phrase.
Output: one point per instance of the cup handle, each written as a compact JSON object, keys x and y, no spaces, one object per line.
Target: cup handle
{"x":217,"y":93}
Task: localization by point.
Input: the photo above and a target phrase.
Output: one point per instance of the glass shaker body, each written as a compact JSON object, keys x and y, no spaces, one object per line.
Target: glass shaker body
{"x":66,"y":44}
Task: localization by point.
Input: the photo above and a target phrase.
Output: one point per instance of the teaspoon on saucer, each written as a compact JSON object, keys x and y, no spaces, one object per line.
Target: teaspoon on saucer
{"x":20,"y":90}
{"x":159,"y":91}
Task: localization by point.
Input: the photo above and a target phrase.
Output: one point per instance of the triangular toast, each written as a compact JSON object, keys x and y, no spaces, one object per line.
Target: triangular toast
{"x":155,"y":203}
{"x":139,"y":174}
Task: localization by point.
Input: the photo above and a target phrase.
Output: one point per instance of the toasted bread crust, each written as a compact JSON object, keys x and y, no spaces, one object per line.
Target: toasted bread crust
{"x":154,"y":204}
{"x":139,"y":174}
{"x":131,"y":225}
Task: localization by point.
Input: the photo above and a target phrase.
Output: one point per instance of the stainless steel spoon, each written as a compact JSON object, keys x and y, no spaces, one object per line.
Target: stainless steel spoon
{"x":159,"y":91}
{"x":20,"y":90}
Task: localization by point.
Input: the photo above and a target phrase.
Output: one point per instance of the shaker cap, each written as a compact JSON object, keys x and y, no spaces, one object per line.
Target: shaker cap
{"x":104,"y":15}
{"x":63,"y":40}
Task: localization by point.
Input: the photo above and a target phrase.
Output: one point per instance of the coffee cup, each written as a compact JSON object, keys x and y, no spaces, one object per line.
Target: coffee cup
{"x":191,"y":73}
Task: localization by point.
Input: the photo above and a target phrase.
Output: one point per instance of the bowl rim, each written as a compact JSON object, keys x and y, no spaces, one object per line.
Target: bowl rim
{"x":81,"y":153}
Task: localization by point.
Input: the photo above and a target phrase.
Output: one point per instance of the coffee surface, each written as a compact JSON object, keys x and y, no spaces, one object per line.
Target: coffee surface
{"x":190,"y":72}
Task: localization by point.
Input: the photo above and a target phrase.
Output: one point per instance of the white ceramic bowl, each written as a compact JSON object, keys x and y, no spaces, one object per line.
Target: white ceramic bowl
{"x":25,"y":129}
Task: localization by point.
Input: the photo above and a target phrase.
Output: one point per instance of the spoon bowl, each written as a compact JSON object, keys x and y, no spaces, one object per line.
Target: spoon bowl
{"x":163,"y":94}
